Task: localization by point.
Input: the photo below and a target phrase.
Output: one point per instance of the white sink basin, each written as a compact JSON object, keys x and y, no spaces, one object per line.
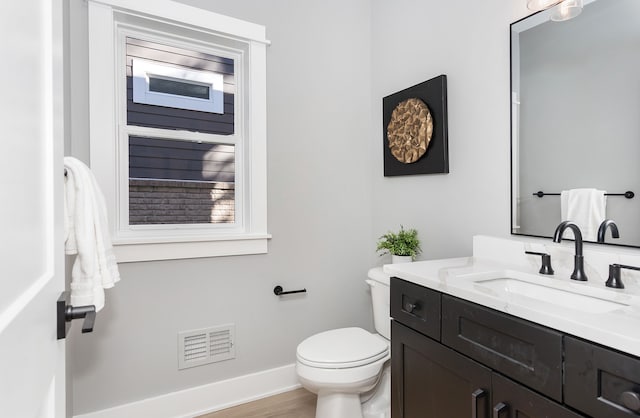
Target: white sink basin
{"x":515,"y":286}
{"x":572,"y":300}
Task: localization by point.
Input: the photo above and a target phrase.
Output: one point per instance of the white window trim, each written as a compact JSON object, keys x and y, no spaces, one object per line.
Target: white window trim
{"x":137,"y":244}
{"x":144,"y":70}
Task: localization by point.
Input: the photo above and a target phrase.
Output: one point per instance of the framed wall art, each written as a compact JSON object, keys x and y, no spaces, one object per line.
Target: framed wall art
{"x":415,"y":129}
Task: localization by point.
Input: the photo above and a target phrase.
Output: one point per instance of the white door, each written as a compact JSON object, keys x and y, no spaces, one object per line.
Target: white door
{"x":32,"y":378}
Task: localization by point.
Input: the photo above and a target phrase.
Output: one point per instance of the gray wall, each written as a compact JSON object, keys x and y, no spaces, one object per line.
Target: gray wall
{"x":319,"y":96}
{"x":469,"y":42}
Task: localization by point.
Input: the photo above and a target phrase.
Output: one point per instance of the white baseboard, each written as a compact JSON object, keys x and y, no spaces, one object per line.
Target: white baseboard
{"x":212,"y":397}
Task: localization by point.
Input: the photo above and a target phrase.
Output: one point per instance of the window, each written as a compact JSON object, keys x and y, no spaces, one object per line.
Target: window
{"x":179,"y":181}
{"x":178,"y":129}
{"x":177,"y":87}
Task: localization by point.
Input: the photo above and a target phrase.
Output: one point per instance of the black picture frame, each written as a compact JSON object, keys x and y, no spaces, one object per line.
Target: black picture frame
{"x":433,"y":93}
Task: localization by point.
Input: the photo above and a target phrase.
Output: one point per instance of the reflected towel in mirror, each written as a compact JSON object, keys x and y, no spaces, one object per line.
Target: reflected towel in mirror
{"x":587,"y":208}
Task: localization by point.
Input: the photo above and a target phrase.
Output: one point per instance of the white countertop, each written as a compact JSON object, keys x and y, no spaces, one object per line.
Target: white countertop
{"x":618,"y":328}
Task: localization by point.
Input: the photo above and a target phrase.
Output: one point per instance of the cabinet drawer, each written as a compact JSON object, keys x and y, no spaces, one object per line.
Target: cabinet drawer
{"x":601,"y":382}
{"x":526,"y":352}
{"x":416,"y":307}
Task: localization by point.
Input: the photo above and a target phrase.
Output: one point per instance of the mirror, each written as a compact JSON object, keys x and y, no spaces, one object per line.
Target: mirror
{"x":575,"y":115}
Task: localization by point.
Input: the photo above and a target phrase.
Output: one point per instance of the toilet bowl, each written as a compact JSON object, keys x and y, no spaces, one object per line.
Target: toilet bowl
{"x":348,"y":368}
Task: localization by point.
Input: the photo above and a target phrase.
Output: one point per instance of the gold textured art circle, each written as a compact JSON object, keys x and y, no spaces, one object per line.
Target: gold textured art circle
{"x":409,"y":130}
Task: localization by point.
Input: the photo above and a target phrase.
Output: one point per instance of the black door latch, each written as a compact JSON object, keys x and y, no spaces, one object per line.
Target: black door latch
{"x":66,"y":313}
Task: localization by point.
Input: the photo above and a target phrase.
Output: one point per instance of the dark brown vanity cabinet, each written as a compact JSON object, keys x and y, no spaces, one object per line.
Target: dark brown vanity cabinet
{"x":477,"y":362}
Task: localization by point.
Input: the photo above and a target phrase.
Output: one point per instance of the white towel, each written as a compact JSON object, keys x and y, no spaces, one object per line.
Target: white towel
{"x":87,"y":235}
{"x":587,"y":208}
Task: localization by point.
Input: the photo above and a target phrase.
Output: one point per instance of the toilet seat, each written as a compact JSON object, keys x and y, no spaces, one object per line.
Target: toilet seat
{"x":342,"y":348}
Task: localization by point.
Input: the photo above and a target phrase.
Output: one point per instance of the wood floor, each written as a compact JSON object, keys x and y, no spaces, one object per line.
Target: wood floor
{"x":298,"y":403}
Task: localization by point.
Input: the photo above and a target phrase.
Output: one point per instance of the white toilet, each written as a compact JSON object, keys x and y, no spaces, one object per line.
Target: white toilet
{"x":349,"y":368}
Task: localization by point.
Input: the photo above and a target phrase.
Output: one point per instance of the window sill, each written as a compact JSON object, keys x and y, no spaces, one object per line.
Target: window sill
{"x":127,"y":252}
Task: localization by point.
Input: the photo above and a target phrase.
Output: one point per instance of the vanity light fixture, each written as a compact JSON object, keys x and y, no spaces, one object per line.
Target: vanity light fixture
{"x":537,"y":5}
{"x":563,"y":9}
{"x":566,"y":10}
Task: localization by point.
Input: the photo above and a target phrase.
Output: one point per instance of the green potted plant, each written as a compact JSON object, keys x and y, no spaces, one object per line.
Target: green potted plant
{"x":403,"y":246}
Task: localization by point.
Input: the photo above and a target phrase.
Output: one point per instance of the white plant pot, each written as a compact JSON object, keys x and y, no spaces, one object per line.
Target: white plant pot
{"x":397,"y":259}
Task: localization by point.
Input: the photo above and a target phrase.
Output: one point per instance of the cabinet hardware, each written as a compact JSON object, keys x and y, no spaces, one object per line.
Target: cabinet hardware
{"x":501,"y":410}
{"x":478,"y":395}
{"x":410,"y":307}
{"x":631,"y":400}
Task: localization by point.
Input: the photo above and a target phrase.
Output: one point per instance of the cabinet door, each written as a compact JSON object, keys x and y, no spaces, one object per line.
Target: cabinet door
{"x":601,"y":382}
{"x":430,"y":380}
{"x":511,"y":400}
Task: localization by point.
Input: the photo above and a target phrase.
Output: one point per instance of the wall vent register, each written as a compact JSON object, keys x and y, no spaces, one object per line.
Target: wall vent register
{"x":204,"y":346}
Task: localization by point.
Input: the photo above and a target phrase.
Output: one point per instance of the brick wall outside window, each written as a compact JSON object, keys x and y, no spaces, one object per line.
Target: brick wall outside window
{"x":180,"y":202}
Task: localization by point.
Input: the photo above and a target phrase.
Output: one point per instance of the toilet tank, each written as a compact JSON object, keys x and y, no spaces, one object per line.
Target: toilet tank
{"x":379,"y":282}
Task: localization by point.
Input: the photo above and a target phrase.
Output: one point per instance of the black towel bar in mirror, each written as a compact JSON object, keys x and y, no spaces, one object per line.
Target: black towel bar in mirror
{"x":628,"y":194}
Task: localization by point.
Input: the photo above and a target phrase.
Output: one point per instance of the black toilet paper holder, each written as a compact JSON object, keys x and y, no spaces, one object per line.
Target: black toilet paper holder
{"x":278,"y":291}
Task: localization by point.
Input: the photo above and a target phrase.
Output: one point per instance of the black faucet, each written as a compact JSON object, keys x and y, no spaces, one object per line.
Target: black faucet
{"x":578,"y":267}
{"x":546,"y":263}
{"x":607,"y":223}
{"x":614,"y":279}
